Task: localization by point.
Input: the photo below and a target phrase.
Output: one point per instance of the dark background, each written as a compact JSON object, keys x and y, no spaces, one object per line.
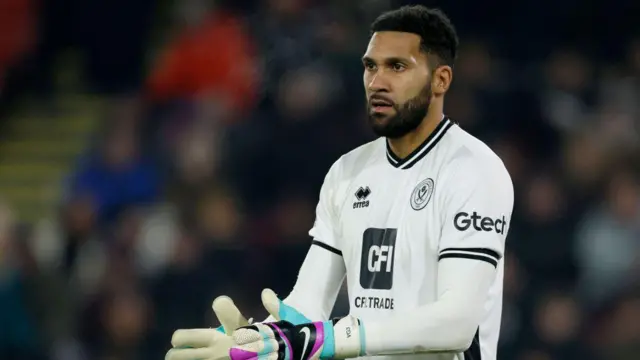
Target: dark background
{"x":154,"y":155}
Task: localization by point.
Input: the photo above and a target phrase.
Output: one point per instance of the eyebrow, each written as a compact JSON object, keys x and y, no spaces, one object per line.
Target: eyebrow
{"x":389,"y":60}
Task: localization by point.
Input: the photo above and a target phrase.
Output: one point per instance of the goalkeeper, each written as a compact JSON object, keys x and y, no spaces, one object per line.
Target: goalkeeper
{"x":416,"y":221}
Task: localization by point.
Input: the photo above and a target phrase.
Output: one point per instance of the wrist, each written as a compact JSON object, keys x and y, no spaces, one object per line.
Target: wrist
{"x":344,"y":338}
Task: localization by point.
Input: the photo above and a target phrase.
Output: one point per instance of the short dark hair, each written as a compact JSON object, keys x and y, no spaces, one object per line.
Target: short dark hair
{"x":438,"y":36}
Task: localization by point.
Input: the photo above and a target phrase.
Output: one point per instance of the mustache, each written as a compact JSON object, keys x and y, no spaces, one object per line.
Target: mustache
{"x":379,"y":99}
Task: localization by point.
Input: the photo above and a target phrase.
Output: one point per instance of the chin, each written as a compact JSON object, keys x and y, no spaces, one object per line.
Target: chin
{"x":379,"y":124}
{"x":383,"y":129}
{"x":380,"y":119}
{"x":386,"y":127}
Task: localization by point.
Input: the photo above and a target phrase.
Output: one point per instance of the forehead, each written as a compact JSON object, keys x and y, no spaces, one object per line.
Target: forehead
{"x":391,"y":44}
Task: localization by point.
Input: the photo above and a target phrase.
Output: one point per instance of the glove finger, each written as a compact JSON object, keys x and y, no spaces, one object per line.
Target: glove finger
{"x":264,"y":349}
{"x":219,"y":347}
{"x":271,"y":303}
{"x":189,"y":354}
{"x":281,"y":311}
{"x":194,"y":337}
{"x":253,"y":333}
{"x":228,"y":314}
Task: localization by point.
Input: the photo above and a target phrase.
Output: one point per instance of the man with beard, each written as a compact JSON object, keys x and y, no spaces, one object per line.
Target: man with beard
{"x":416,"y":220}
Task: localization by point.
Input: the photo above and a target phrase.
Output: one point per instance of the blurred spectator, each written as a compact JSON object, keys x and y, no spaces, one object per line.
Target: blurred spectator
{"x":620,"y":88}
{"x":585,"y":161}
{"x":212,"y":57}
{"x":569,"y":80}
{"x":219,"y":217}
{"x":620,"y":335}
{"x":558,"y":323}
{"x":17,"y":42}
{"x":19,"y":337}
{"x":196,"y":152}
{"x":17,"y":35}
{"x":117,"y":175}
{"x":609,"y":241}
{"x":117,"y":328}
{"x":286,"y":33}
{"x":543,"y":223}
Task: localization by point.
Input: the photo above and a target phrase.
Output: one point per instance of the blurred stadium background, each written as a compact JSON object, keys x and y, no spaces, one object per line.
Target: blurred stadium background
{"x":155,"y":154}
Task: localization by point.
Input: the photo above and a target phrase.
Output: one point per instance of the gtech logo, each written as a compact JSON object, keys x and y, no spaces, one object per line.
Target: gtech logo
{"x":377,"y":258}
{"x":463,"y":221}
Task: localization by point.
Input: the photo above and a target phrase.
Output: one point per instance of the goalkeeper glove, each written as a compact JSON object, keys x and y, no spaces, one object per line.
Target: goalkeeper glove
{"x":209,"y":344}
{"x":214,"y":344}
{"x":334,"y":339}
{"x":296,"y":337}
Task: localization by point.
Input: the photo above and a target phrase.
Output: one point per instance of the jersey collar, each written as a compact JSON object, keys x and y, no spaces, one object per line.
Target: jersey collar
{"x":422,"y":150}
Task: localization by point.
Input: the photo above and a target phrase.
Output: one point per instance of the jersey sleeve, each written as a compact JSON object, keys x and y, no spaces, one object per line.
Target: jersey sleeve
{"x":319,"y":280}
{"x":324,"y":230}
{"x":446,"y":325}
{"x":476,"y":206}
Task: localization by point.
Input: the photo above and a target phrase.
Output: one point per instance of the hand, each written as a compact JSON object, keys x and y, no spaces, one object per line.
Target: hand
{"x":281,"y":311}
{"x":341,"y":338}
{"x":214,"y":344}
{"x":335,"y":339}
{"x":209,"y":344}
{"x":228,"y":314}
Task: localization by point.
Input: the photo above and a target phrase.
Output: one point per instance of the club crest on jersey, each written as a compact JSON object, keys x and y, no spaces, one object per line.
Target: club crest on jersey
{"x":422,"y":194}
{"x":361,"y":195}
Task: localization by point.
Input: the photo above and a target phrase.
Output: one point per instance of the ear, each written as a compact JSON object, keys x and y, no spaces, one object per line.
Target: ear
{"x":441,"y":80}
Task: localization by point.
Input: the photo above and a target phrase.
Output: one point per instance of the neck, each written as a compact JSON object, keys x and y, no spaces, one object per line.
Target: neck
{"x":404,"y":145}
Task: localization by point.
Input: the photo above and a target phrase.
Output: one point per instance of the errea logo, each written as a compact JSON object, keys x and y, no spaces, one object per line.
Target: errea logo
{"x":463,"y":221}
{"x":361,"y":195}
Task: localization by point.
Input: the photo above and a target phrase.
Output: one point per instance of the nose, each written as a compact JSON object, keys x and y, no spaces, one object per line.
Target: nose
{"x":377,"y":83}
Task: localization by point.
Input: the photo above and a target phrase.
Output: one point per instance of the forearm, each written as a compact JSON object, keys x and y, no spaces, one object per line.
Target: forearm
{"x":447,"y":325}
{"x":319,"y":281}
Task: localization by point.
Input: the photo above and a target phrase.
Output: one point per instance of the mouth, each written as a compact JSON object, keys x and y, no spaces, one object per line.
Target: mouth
{"x":379,"y":104}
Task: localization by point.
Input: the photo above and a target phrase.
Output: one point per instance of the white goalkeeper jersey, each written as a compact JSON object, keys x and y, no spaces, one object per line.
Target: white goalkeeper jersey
{"x":393,"y":220}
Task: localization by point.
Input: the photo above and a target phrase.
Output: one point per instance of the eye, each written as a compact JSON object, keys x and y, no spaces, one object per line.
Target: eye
{"x":369,"y":66}
{"x":398,"y":67}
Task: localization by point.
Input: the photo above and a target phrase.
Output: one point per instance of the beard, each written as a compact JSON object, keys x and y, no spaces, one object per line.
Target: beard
{"x":408,"y":116}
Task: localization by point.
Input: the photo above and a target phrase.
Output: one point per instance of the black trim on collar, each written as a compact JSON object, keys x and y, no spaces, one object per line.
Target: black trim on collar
{"x":422,"y":150}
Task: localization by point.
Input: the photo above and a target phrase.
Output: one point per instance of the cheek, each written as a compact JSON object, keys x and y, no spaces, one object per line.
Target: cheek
{"x":408,"y":89}
{"x":366,"y":80}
